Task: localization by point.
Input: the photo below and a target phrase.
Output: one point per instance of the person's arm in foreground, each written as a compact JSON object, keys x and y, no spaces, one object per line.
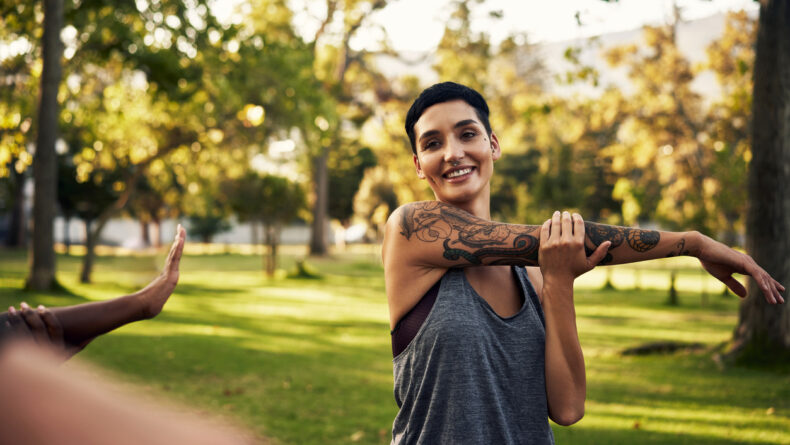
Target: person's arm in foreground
{"x":562,"y":258}
{"x":431,"y":234}
{"x":77,"y":325}
{"x":44,"y":403}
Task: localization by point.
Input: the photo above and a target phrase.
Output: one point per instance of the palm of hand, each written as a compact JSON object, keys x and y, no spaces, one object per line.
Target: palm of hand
{"x":156,"y":294}
{"x":723,"y":272}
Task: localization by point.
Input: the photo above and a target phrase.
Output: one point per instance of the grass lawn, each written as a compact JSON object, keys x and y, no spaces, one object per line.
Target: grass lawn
{"x":308,"y":361}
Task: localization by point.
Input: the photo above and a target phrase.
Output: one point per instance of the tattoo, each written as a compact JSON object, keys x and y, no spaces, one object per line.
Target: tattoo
{"x":637,"y":239}
{"x":477,"y":241}
{"x":681,"y":250}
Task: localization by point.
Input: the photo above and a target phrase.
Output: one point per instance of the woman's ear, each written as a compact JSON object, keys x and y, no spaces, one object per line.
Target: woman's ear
{"x":420,"y":174}
{"x":496,"y":151}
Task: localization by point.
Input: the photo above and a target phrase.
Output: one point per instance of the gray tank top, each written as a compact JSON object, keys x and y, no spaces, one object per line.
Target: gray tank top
{"x":470,"y":376}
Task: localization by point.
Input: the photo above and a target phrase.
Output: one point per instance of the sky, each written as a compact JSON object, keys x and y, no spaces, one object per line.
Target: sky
{"x":417,"y":25}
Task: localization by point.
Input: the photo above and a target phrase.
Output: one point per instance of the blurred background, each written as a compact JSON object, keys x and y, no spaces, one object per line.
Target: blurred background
{"x":273,"y":130}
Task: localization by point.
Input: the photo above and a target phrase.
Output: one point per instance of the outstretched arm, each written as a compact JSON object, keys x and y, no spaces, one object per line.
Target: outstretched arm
{"x":79,"y":324}
{"x":434,"y":234}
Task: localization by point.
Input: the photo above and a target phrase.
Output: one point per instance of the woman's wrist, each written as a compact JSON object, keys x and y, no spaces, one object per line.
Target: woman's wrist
{"x":695,"y":243}
{"x":557,"y":284}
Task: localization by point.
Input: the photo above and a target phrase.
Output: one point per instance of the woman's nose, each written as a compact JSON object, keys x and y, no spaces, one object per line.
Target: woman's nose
{"x":453,"y":151}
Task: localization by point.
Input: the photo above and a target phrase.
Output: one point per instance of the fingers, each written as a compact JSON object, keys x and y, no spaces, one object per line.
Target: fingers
{"x":556,"y":225}
{"x":764,"y":281}
{"x":779,"y":285}
{"x":779,"y":289}
{"x":174,"y":257}
{"x":595,"y":258}
{"x":54,"y":328}
{"x":578,"y":227}
{"x":545,"y":231}
{"x":34,"y":322}
{"x":734,"y":286}
{"x":776,"y":289}
{"x":567,"y":226}
{"x":18,"y":325}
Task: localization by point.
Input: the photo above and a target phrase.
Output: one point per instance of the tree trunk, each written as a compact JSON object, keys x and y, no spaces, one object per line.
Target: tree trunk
{"x":87,"y":260}
{"x":92,"y":236}
{"x":16,"y":229}
{"x":145,"y":240}
{"x":156,"y":238}
{"x":66,"y":237}
{"x":42,"y":260}
{"x":763,"y":331}
{"x":318,"y":238}
{"x":254,"y":234}
{"x":672,"y":299}
{"x":270,"y":260}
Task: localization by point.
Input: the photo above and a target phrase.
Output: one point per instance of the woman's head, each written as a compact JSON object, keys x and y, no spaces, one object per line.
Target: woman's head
{"x":453,"y":146}
{"x":445,"y":92}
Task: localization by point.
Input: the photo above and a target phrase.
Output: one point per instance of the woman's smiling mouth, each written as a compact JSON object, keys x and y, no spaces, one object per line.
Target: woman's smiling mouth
{"x":459,"y":173}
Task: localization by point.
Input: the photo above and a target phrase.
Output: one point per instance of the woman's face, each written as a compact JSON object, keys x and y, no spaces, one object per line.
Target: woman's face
{"x":454,"y":153}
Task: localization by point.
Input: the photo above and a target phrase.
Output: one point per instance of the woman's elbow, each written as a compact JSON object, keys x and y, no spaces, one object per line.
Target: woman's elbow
{"x":568,"y":416}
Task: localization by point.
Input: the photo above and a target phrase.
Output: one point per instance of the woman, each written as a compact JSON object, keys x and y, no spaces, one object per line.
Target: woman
{"x":486,"y":350}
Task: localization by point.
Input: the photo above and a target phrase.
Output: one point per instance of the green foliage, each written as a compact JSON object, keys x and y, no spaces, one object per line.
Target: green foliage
{"x":205,"y":227}
{"x":88,"y":199}
{"x":345,"y":174}
{"x":167,"y":103}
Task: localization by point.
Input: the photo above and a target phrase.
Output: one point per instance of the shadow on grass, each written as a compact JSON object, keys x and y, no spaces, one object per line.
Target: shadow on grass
{"x":62,"y":296}
{"x":308,"y":396}
{"x":636,"y":434}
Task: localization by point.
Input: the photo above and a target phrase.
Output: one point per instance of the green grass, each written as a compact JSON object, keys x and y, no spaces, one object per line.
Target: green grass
{"x":307,"y":361}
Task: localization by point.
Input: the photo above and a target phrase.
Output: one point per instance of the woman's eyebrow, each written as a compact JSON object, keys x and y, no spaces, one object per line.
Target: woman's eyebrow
{"x":428,"y":134}
{"x":464,"y":123}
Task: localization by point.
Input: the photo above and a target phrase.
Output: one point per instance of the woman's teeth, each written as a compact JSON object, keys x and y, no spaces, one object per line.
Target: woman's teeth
{"x":459,"y":173}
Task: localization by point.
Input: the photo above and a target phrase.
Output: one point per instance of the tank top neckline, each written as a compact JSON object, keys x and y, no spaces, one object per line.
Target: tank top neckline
{"x":482,"y":301}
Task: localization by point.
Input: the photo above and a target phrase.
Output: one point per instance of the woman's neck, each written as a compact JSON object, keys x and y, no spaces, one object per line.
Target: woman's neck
{"x":479,"y":207}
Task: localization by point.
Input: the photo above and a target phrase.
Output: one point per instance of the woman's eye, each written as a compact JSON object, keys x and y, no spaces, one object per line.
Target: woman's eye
{"x":430,"y":145}
{"x":469,"y":134}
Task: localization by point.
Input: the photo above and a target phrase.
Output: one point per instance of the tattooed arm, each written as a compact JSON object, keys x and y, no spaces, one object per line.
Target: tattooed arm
{"x":423,"y":239}
{"x":441,"y":235}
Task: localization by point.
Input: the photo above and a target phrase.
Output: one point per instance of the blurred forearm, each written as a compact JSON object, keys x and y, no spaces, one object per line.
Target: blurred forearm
{"x":83,"y":322}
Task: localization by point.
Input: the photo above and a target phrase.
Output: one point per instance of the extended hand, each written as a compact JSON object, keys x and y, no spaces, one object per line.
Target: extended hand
{"x":154,"y":296}
{"x":722,"y":261}
{"x":561,"y":251}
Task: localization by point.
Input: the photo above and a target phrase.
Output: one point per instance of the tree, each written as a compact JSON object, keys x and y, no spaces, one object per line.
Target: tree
{"x":269,"y":199}
{"x":42,"y":262}
{"x":17,"y":109}
{"x":88,"y":200}
{"x":148,"y":205}
{"x":345,"y":174}
{"x":340,"y":70}
{"x":205,"y":227}
{"x":281,"y":202}
{"x":662,"y":165}
{"x":763,"y":331}
{"x":731,"y":58}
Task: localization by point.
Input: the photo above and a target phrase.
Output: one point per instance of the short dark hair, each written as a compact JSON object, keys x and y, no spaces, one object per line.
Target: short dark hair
{"x":445,"y":92}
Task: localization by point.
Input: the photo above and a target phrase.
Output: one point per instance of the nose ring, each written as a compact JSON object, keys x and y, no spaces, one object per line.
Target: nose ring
{"x":455,"y":163}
